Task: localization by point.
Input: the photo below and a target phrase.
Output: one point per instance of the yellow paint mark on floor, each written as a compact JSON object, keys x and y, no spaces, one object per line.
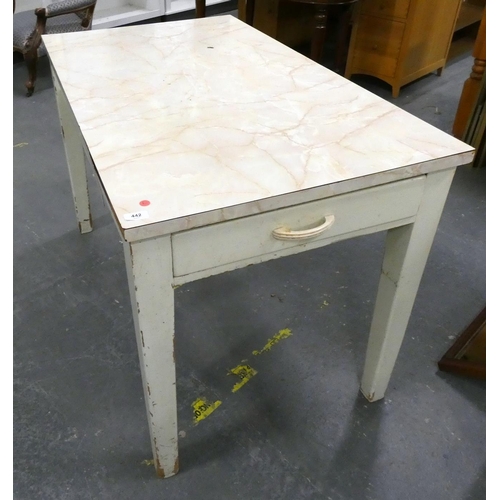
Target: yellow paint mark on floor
{"x":245,"y":373}
{"x":148,"y":462}
{"x":282,"y":334}
{"x":20,"y":144}
{"x":202,"y":409}
{"x":325,"y":303}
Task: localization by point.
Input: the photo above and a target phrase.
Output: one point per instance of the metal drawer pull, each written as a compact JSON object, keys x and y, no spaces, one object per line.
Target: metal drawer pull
{"x":284,"y":233}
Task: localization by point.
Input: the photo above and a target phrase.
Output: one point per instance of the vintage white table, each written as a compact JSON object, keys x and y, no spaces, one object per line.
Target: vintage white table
{"x":218,"y":147}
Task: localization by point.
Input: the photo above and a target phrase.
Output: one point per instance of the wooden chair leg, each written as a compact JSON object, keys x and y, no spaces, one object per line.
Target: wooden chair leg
{"x":200,"y":8}
{"x":31,"y":59}
{"x":472,"y":86}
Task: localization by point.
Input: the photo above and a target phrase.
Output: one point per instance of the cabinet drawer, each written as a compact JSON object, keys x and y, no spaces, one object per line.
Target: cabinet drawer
{"x":387,"y":8}
{"x":377,"y":46}
{"x":252,"y":237}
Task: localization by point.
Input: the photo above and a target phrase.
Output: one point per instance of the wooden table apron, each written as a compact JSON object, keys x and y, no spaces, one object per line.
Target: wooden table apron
{"x":156,"y":261}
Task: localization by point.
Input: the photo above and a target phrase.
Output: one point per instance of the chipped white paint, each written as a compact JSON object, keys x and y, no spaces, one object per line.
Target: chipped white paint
{"x":226,"y":135}
{"x":367,"y":210}
{"x":75,"y":149}
{"x":149,"y":271}
{"x":407,"y":249}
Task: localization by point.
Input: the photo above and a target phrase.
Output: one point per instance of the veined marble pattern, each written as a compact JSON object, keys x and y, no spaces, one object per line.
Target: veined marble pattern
{"x":197,"y":116}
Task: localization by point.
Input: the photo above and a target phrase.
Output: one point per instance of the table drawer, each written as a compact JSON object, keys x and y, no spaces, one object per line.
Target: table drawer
{"x":252,"y":237}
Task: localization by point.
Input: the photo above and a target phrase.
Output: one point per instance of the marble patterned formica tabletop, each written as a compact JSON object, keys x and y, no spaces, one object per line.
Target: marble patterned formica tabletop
{"x":209,"y":120}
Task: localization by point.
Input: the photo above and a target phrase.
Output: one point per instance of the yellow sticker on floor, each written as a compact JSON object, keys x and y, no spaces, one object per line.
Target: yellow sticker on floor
{"x":202,"y":409}
{"x":245,"y":373}
{"x":282,"y":334}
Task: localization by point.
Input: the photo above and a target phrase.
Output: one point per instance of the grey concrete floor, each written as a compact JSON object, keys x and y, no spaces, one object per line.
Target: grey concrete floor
{"x":299,"y":429}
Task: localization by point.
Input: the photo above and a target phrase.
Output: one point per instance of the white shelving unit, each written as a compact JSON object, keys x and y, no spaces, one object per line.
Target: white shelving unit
{"x":112,"y":13}
{"x":176,"y":6}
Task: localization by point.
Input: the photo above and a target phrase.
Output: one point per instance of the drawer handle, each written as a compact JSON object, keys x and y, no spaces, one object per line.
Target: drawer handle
{"x":284,"y":233}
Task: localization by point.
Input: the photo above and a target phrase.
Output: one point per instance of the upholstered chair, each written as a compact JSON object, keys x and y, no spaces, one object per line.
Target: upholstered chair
{"x":58,"y":17}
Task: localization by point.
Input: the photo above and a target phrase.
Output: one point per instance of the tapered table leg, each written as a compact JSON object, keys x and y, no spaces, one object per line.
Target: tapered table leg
{"x":149,"y":271}
{"x":407,"y":249}
{"x":75,"y":148}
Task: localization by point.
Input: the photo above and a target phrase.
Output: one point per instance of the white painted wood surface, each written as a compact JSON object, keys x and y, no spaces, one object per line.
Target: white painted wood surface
{"x":167,"y":143}
{"x":149,"y":271}
{"x":75,"y":149}
{"x":407,"y":250}
{"x":285,"y":252}
{"x":251,"y":237}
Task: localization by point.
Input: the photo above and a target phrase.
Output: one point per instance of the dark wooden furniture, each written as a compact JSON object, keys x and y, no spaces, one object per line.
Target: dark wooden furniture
{"x":58,"y":17}
{"x":318,"y":37}
{"x":321,"y":9}
{"x":467,"y":356}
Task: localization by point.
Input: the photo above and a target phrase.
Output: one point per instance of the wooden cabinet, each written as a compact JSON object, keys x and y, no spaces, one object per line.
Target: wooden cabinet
{"x":471,"y":12}
{"x":399,"y":41}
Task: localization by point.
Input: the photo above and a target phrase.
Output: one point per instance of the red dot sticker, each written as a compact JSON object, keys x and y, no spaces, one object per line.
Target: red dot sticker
{"x":144,"y":203}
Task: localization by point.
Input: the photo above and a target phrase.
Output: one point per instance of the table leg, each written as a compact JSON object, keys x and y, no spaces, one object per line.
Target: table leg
{"x":149,"y":271}
{"x":407,"y":249}
{"x":74,"y":146}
